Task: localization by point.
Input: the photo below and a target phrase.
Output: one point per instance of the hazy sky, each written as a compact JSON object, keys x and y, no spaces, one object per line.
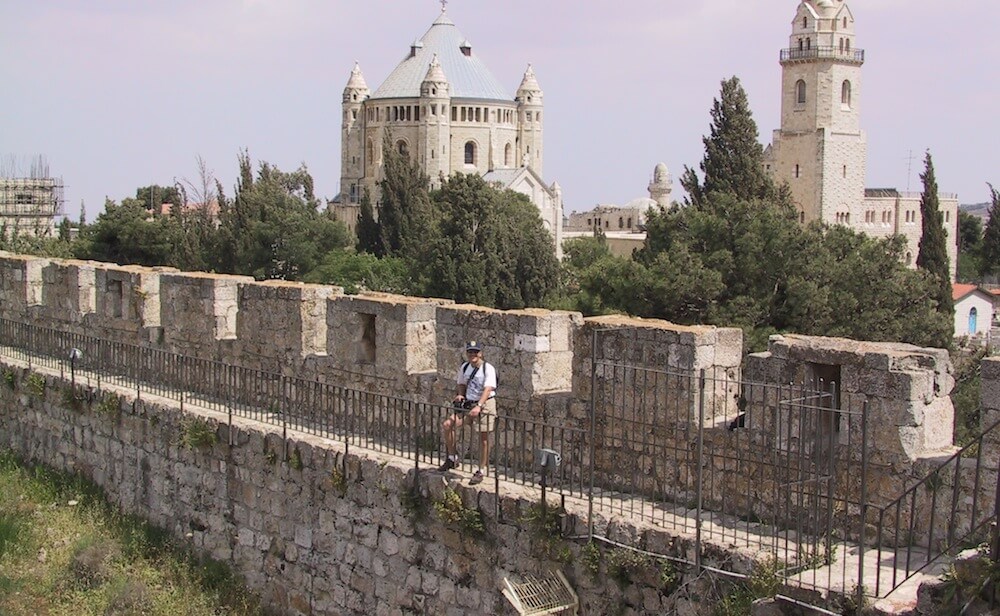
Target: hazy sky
{"x":123,"y":93}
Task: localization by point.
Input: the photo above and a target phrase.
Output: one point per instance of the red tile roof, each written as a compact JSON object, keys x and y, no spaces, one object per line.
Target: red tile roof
{"x":959,"y":290}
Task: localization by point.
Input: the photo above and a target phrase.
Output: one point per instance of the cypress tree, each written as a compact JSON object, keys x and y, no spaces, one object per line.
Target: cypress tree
{"x":734,"y":159}
{"x":989,"y":251}
{"x":933,"y":254}
{"x":369,"y":234}
{"x":405,"y":205}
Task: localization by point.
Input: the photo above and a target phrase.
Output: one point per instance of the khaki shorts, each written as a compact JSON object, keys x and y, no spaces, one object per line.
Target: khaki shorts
{"x":486,"y":421}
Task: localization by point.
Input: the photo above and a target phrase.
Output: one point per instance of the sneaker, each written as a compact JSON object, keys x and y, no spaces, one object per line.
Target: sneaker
{"x":448,"y":465}
{"x":477,"y":478}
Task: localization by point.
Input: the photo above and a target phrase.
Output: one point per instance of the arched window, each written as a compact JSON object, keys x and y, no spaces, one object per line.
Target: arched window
{"x":805,"y":22}
{"x":403,"y":148}
{"x":973,"y":321}
{"x":621,"y":222}
{"x":845,"y":93}
{"x":371,"y":152}
{"x":470,"y":153}
{"x":508,"y":155}
{"x":800,"y":92}
{"x":796,"y":171}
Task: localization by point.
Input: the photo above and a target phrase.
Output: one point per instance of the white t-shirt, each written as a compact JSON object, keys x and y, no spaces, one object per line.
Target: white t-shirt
{"x":485,"y":377}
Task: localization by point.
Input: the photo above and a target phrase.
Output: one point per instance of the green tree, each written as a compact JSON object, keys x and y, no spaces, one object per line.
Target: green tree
{"x":154,"y":196}
{"x":369,"y":234}
{"x":357,"y":272}
{"x":970,"y":239}
{"x":271,"y":228}
{"x":989,"y":252}
{"x":933,"y":254}
{"x":129,"y":234}
{"x":489,"y":247}
{"x":734,"y":159}
{"x":404,"y":212}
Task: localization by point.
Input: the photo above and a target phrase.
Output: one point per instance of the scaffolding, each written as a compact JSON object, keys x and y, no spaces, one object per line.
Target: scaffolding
{"x":30,"y":198}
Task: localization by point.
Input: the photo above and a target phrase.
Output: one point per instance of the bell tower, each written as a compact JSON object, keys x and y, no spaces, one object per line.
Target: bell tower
{"x":352,"y":161}
{"x":820,"y":150}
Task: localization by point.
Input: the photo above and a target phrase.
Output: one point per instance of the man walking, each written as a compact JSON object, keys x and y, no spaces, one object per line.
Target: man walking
{"x":475,"y":390}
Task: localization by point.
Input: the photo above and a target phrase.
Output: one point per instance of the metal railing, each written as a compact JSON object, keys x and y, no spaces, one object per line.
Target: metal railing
{"x":389,"y":424}
{"x":786,"y":470}
{"x":856,"y":56}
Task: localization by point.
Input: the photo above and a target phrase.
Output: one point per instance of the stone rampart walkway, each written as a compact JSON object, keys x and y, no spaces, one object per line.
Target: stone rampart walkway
{"x":744,"y":543}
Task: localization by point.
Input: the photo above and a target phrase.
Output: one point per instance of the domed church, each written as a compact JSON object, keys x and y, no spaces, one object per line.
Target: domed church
{"x":446,"y":110}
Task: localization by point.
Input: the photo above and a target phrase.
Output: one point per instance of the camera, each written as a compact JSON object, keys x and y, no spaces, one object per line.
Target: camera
{"x":463,"y":405}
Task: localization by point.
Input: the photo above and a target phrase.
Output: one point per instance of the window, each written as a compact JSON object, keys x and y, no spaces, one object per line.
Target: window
{"x":588,"y":222}
{"x":354,"y":114}
{"x":796,"y":171}
{"x":847,"y":45}
{"x":845,"y":22}
{"x":809,"y":43}
{"x":478,"y":116}
{"x":470,"y":153}
{"x":845,"y":171}
{"x":403,"y":148}
{"x":802,"y":218}
{"x":805,"y":22}
{"x":841,"y":44}
{"x":800,"y":92}
{"x":973,"y":321}
{"x":527,"y":117}
{"x":366,"y":348}
{"x":115,"y":298}
{"x":621,"y":222}
{"x":845,"y":93}
{"x":909,"y":258}
{"x":508,"y":155}
{"x":371,"y":152}
{"x":629,"y":222}
{"x":454,"y":114}
{"x":800,"y":45}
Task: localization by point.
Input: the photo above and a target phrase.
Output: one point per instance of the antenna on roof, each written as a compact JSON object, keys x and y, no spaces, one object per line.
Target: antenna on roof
{"x":444,"y":6}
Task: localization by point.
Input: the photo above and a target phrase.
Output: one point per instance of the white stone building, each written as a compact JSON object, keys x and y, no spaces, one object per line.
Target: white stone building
{"x":449,"y":113}
{"x":820,"y":151}
{"x":974,"y":311}
{"x":628,"y":218}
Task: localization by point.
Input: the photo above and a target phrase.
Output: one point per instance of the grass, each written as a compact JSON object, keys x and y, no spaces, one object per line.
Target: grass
{"x":65,"y":550}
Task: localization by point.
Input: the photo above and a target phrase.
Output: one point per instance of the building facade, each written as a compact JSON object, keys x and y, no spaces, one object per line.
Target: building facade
{"x":821,"y":152}
{"x":29,"y":206}
{"x":444,"y":109}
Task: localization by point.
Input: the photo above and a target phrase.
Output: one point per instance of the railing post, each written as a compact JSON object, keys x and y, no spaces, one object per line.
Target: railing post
{"x":864,"y":505}
{"x":699,"y":470}
{"x":593,"y":418}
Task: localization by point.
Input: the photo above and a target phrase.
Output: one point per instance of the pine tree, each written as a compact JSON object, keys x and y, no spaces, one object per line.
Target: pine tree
{"x":989,"y":251}
{"x":933,"y":254}
{"x":734,"y":159}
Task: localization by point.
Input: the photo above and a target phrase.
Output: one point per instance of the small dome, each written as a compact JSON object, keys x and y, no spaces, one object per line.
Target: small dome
{"x":434,"y":71}
{"x":529,"y":82}
{"x":661,"y":174}
{"x":357,"y":80}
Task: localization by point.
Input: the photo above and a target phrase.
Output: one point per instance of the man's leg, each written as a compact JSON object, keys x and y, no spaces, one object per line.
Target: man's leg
{"x":450,"y":425}
{"x":484,"y":452}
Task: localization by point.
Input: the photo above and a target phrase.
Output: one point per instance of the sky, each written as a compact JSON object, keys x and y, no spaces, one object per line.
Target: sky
{"x":118,"y":94}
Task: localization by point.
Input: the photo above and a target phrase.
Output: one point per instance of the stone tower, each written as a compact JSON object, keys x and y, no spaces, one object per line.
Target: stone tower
{"x":661,"y":186}
{"x":529,"y":111}
{"x":435,"y":96}
{"x":352,"y":136}
{"x":820,"y":149}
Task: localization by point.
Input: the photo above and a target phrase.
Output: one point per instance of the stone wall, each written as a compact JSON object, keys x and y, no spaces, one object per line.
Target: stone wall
{"x":316,"y":530}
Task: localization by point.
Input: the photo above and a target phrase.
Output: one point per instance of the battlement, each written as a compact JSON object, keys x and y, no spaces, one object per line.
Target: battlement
{"x":411,"y":347}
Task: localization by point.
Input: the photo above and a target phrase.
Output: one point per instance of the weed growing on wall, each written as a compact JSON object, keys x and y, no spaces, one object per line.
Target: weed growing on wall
{"x":10,"y":379}
{"x":590,"y":554}
{"x":198,"y":433}
{"x":36,"y":385}
{"x":338,"y":480}
{"x":452,"y":512}
{"x":414,"y":504}
{"x":110,"y":406}
{"x":295,"y":460}
{"x":763,"y":582}
{"x":545,"y":527}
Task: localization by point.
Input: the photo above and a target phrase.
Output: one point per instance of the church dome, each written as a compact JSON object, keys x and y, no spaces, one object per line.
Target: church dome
{"x":467,"y":74}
